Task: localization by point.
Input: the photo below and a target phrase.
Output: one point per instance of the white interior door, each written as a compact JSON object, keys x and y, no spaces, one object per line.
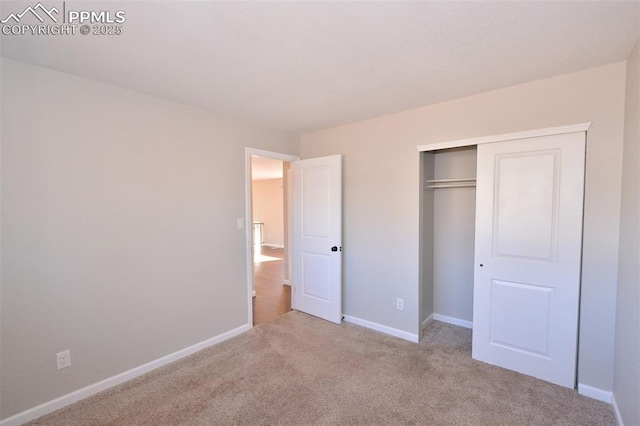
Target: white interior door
{"x":529,"y":204}
{"x":317,"y":237}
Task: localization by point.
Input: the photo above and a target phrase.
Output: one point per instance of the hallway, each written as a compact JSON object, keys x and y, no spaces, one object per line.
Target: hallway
{"x":273,"y":298}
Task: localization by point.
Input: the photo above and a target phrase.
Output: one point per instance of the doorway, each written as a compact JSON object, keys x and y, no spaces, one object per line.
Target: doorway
{"x":271,"y":296}
{"x":267,"y":225}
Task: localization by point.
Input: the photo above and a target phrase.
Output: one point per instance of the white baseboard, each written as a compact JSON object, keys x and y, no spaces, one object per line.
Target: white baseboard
{"x":452,"y":320}
{"x":595,"y":393}
{"x":616,"y":410}
{"x":287,"y":282}
{"x":382,"y":328}
{"x":70,"y":398}
{"x":273,"y":245}
{"x":426,"y":321}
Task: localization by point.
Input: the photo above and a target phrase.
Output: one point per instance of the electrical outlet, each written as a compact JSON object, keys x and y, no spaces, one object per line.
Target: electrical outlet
{"x":400,"y":304}
{"x":64,"y":359}
{"x":240,"y":223}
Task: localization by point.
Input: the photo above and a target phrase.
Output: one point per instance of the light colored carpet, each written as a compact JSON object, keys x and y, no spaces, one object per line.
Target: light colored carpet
{"x":299,"y":370}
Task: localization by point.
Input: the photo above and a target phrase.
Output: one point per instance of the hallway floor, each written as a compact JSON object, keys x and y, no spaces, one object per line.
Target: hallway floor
{"x":273,"y":298}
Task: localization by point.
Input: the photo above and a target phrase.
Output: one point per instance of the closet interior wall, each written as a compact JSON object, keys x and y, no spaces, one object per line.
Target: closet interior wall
{"x":448,"y":234}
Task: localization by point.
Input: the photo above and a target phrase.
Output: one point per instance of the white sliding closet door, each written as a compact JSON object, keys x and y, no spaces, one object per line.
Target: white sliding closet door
{"x":529,"y":204}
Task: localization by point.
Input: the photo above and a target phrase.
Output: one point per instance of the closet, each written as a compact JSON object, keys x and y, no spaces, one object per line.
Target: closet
{"x":501,"y":245}
{"x":449,"y":204}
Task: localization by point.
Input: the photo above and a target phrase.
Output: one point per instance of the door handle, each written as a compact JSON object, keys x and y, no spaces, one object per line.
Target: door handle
{"x":334,"y":248}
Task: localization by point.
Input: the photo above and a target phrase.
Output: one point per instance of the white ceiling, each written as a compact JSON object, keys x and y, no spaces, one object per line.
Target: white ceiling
{"x":302,"y":66}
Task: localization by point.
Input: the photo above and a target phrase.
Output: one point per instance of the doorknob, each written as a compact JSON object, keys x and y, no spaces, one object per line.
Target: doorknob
{"x":334,"y":248}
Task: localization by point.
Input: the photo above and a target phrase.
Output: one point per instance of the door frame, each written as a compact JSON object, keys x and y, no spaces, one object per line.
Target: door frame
{"x":248,"y":217}
{"x":547,"y":131}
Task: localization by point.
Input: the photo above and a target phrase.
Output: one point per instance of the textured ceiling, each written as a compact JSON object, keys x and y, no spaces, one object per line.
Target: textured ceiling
{"x":302,"y":66}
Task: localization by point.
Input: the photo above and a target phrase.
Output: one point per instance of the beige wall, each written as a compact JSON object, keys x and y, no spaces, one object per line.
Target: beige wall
{"x":268,"y":208}
{"x":627,"y":344}
{"x":119,"y":230}
{"x":381,"y":195}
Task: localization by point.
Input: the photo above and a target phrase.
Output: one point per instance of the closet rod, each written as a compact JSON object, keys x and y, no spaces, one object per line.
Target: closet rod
{"x":453,"y":185}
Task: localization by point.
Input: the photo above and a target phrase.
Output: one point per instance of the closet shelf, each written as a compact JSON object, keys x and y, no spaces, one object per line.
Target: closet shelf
{"x":450,"y":183}
{"x":451,"y":180}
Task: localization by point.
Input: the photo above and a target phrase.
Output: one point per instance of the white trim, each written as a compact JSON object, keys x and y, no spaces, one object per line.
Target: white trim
{"x":382,"y":328}
{"x":453,"y":320}
{"x":595,"y":393}
{"x":248,"y":153}
{"x":426,"y":321}
{"x":75,"y":396}
{"x":289,"y":272}
{"x":255,"y":152}
{"x":580,"y":127}
{"x":616,"y":410}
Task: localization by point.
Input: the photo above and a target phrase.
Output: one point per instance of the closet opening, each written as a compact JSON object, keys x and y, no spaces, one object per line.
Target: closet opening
{"x":448,"y":234}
